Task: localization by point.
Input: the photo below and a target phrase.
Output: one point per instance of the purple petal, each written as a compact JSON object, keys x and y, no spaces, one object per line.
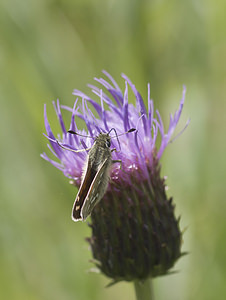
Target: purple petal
{"x":50,"y":134}
{"x":113,"y":81}
{"x":140,"y":103}
{"x":125,"y":110}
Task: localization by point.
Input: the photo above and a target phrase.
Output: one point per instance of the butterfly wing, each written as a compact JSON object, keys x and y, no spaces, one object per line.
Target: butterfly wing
{"x":83,"y":191}
{"x":97,"y":189}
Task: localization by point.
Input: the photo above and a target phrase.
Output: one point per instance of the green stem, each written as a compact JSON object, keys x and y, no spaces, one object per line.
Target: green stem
{"x":144,"y":290}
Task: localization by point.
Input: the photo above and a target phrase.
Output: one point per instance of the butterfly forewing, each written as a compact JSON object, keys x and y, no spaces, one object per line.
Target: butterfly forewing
{"x":97,"y":189}
{"x":83,"y":191}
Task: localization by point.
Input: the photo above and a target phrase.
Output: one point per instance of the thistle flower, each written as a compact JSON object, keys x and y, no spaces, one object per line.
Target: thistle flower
{"x":135,"y":234}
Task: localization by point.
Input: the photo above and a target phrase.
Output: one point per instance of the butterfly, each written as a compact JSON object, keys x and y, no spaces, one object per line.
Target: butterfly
{"x":96,"y":175}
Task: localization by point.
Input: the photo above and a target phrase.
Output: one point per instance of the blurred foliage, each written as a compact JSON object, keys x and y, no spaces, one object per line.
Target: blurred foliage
{"x":49,"y":47}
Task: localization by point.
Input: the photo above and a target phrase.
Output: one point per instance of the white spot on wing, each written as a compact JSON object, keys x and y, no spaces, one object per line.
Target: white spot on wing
{"x":77,"y":207}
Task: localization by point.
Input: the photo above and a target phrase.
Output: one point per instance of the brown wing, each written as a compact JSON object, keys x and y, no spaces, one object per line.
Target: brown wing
{"x":82,"y":193}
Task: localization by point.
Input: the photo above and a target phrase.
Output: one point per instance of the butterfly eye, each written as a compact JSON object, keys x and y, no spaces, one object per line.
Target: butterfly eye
{"x":108,"y":143}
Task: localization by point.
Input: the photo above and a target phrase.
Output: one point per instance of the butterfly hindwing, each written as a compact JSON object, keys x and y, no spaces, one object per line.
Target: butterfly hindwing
{"x":97,"y":189}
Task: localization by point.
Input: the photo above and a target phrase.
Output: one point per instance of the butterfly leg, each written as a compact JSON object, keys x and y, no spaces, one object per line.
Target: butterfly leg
{"x":117,"y":161}
{"x":114,"y":149}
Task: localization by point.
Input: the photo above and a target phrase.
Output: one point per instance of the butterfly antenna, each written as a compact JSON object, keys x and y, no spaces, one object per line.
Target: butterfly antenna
{"x":73,"y":132}
{"x":130,"y":130}
{"x":117,"y":135}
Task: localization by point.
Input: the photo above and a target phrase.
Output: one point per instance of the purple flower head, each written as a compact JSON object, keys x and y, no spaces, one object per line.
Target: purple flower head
{"x":135,"y":234}
{"x":136,"y":150}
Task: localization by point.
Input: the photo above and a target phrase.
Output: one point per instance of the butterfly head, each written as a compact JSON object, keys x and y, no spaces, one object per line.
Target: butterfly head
{"x":103,"y":140}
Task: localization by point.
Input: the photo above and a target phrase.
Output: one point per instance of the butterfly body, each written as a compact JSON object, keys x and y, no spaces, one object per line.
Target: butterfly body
{"x":95,"y":177}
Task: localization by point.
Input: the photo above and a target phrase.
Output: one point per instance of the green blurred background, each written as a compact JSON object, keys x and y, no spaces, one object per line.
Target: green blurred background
{"x":48,"y":48}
